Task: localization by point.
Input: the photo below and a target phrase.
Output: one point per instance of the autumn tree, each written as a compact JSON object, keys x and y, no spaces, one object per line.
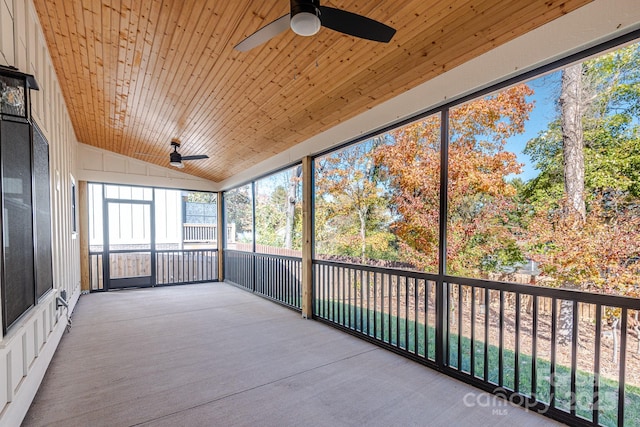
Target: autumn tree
{"x":480,"y":237}
{"x":351,"y":204}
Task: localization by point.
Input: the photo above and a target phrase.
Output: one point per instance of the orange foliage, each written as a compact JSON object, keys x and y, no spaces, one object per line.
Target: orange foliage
{"x":601,"y":253}
{"x":478,"y":196}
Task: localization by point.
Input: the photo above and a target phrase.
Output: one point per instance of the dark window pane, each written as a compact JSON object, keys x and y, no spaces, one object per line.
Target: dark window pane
{"x":18,"y":289}
{"x":44,"y":275}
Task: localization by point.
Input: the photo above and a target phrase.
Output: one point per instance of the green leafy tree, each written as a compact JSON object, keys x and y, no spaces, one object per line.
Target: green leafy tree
{"x":271,"y":213}
{"x":352,"y":217}
{"x":597,"y":249}
{"x":238,"y":211}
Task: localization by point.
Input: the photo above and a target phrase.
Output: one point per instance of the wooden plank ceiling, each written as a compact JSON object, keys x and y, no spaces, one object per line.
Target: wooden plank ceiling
{"x":136,"y":74}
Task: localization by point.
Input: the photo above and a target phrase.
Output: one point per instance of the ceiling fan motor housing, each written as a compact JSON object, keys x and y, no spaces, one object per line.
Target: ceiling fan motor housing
{"x":175,"y":157}
{"x":305,"y":17}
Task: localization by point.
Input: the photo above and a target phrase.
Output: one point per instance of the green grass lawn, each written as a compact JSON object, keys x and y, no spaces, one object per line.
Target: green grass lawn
{"x":418,"y":338}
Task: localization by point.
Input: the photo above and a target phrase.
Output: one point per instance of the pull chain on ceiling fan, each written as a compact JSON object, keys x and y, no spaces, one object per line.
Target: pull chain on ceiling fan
{"x":306,"y":18}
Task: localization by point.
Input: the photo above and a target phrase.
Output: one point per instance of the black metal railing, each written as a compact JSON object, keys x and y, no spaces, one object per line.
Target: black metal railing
{"x":555,"y":351}
{"x":172,"y":267}
{"x":239,"y":268}
{"x":276,"y":277}
{"x":186,"y":266}
{"x":395,"y":308}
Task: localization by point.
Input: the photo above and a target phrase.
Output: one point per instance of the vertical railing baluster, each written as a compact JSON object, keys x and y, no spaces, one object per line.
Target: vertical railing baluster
{"x":368,"y":304}
{"x":326,"y":280}
{"x":415,"y":316}
{"x":188,"y":271}
{"x":317,"y":291}
{"x":346,"y":297}
{"x":534,"y":346}
{"x":447,"y":323}
{"x":487,"y":309}
{"x":350,"y":303}
{"x":390,"y":298}
{"x":501,"y":339}
{"x":335,"y":294}
{"x":622,"y":364}
{"x":596,"y":365}
{"x":353,"y":280}
{"x":285,"y":275}
{"x":382,"y":316}
{"x":427,"y":289}
{"x":516,"y":360}
{"x":552,"y":378}
{"x":360,"y":287}
{"x":406,"y":313}
{"x":321,"y":275}
{"x":472,"y":357}
{"x":574,"y":356}
{"x":375,"y":304}
{"x":460,"y":305}
{"x":326,"y":291}
{"x":182,"y":267}
{"x":397,"y":310}
{"x":173,"y":267}
{"x":341,"y":295}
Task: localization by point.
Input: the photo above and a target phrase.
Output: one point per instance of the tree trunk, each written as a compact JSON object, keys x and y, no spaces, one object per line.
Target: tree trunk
{"x":614,"y":329}
{"x":291,"y":208}
{"x":363,"y":235}
{"x":565,"y":322}
{"x":572,"y":137}
{"x":573,"y":157}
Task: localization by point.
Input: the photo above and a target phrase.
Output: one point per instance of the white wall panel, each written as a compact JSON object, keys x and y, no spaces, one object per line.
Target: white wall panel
{"x":27,"y":348}
{"x":6,"y":34}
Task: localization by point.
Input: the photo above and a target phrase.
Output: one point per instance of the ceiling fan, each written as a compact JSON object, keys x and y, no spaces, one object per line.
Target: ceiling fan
{"x":306,"y":18}
{"x":177,"y":158}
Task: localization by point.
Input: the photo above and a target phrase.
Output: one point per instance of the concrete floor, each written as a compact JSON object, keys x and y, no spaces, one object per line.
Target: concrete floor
{"x":215,"y":355}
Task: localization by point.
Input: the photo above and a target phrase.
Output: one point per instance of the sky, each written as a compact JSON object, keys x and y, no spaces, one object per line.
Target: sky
{"x":546,"y":89}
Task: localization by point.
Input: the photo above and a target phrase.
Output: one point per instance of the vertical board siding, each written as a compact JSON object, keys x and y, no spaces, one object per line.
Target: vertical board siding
{"x":22,"y":45}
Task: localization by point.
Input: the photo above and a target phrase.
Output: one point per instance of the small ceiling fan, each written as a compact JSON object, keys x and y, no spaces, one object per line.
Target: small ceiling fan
{"x":306,"y":18}
{"x":175,"y":158}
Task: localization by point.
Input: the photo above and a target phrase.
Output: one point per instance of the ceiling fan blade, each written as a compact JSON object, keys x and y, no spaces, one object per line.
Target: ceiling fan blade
{"x":196,"y":157}
{"x":355,"y":25}
{"x":264,"y":34}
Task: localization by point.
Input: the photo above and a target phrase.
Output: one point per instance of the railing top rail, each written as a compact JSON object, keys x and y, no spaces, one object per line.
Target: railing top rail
{"x":384,"y":270}
{"x":125,"y":251}
{"x":545,"y":291}
{"x":238,"y":251}
{"x":162,"y":251}
{"x":265,"y":255}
